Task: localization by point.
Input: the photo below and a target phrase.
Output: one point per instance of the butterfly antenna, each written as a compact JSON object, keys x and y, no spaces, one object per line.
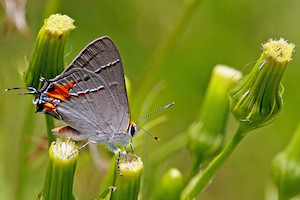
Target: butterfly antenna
{"x":156,"y":138}
{"x":167,"y":106}
{"x":32,"y":90}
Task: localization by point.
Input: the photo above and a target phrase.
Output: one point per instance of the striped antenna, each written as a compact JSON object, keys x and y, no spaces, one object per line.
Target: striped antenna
{"x":32,"y":90}
{"x":167,"y":106}
{"x":156,"y":138}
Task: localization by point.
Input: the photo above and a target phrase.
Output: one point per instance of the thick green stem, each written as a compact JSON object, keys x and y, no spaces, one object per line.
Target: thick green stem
{"x":198,"y":183}
{"x":60,"y":171}
{"x":128,"y":185}
{"x":50,"y":126}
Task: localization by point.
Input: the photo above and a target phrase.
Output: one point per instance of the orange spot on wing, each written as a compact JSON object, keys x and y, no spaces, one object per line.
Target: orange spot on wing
{"x":49,"y":106}
{"x":61,"y":92}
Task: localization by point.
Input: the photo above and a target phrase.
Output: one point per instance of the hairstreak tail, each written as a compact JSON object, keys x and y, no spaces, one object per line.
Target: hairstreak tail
{"x":90,"y":96}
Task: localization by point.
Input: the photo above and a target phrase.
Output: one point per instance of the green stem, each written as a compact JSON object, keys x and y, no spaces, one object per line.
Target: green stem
{"x":128,"y":185}
{"x":60,"y":171}
{"x":198,"y":183}
{"x":167,"y":44}
{"x":50,"y":126}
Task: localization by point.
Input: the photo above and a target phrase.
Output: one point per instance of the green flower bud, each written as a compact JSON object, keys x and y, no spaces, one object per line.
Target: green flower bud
{"x":285,"y":169}
{"x":257,"y":99}
{"x":127,"y":186}
{"x":171,"y":185}
{"x":60,"y":171}
{"x":207,"y":134}
{"x":47,"y":59}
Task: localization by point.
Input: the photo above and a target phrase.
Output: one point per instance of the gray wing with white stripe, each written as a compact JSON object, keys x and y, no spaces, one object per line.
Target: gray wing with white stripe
{"x":102,"y":57}
{"x":91,"y":107}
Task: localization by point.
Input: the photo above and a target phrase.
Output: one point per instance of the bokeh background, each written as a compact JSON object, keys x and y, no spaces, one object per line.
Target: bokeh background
{"x":216,"y":32}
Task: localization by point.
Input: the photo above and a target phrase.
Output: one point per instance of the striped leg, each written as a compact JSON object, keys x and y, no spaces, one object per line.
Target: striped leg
{"x":116,"y":150}
{"x":133,"y":150}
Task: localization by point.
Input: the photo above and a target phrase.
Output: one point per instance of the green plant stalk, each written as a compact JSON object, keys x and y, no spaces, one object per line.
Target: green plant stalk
{"x":127,"y":186}
{"x":50,"y":125}
{"x":160,"y":53}
{"x":60,"y":171}
{"x":198,"y":183}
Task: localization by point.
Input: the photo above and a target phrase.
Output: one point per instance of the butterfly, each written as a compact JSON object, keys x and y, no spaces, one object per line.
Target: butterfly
{"x":90,"y":97}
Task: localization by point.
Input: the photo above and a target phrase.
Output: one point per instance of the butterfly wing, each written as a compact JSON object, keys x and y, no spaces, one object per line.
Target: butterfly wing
{"x":85,"y":101}
{"x":102,"y":57}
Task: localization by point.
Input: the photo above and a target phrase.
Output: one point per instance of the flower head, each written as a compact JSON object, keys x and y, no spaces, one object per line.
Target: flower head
{"x":257,"y":98}
{"x":47,"y":59}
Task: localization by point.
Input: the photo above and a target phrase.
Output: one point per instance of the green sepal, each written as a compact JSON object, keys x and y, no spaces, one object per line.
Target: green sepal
{"x":170,"y":186}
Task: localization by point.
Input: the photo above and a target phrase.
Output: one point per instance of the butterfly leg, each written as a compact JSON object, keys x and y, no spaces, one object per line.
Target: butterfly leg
{"x":84,"y":145}
{"x":118,"y":163}
{"x":133,"y":150}
{"x":116,"y":149}
{"x":126,"y":150}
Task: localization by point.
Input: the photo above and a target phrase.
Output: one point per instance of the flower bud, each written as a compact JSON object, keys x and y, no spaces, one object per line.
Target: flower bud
{"x":285,"y":169}
{"x":257,"y":99}
{"x":171,"y":185}
{"x":206,"y":135}
{"x":47,"y":59}
{"x":127,"y":186}
{"x":60,"y":171}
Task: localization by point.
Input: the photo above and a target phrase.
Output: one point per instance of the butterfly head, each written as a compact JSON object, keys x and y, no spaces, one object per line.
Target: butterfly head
{"x":133,"y":129}
{"x":40,"y":100}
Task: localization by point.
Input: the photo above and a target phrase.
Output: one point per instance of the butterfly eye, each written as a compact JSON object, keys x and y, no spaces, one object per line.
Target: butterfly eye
{"x":40,"y":100}
{"x":132,"y":131}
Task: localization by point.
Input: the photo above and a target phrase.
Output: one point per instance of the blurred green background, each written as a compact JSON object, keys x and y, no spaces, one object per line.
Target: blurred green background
{"x":218,"y":32}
